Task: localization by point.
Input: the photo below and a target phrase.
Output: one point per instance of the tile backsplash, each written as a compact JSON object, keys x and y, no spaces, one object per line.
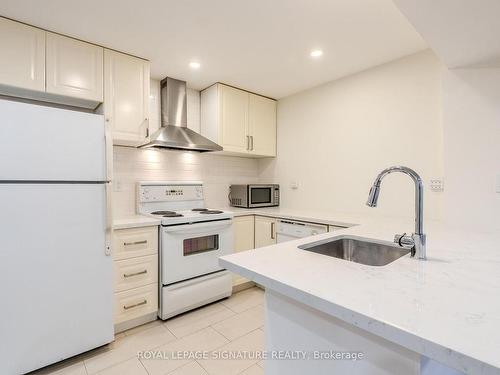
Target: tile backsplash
{"x":217,"y":173}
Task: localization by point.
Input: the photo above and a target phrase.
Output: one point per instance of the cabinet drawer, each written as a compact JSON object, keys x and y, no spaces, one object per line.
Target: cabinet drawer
{"x":135,"y":242}
{"x":135,"y":272}
{"x":135,"y":303}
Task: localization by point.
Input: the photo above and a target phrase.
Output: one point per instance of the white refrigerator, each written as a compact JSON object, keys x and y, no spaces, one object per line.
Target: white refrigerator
{"x":55,"y":263}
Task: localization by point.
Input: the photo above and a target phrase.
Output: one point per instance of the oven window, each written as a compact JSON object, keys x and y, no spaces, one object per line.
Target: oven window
{"x":260,"y":195}
{"x":201,"y":244}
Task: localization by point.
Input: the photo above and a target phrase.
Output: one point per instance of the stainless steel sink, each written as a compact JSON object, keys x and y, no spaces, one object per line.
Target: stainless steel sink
{"x":357,"y":250}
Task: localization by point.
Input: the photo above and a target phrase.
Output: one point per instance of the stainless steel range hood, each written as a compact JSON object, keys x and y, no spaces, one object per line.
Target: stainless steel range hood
{"x":174,"y":133}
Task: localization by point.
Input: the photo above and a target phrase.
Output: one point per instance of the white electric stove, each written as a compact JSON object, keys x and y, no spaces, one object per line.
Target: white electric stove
{"x":192,"y":238}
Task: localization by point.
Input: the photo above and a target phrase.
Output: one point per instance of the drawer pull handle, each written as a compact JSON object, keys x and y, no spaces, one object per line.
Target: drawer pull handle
{"x":135,"y":273}
{"x":135,"y":305}
{"x":135,"y":243}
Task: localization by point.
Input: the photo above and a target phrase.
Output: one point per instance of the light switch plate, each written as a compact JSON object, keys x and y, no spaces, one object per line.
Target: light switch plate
{"x":294,"y":185}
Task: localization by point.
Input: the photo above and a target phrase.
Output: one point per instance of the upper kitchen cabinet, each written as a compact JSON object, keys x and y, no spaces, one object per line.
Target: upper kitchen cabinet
{"x":74,"y":68}
{"x":37,"y":64}
{"x":126,"y":97}
{"x":22,"y":58}
{"x":242,"y":123}
{"x":234,"y":119}
{"x":262,"y":125}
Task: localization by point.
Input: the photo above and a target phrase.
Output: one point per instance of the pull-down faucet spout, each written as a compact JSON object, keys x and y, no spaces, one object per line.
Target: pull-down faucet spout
{"x":417,"y":240}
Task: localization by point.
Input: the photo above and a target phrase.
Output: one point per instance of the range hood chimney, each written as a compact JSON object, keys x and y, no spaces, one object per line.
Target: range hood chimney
{"x":174,"y":133}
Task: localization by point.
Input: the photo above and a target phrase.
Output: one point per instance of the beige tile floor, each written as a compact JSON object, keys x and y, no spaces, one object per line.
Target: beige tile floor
{"x":231,"y":325}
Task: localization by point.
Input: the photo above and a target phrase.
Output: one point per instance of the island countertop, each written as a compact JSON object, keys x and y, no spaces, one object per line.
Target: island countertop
{"x":446,"y":308}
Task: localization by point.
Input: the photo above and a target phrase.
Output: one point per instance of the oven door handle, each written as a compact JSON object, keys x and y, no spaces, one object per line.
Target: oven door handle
{"x":198,"y":227}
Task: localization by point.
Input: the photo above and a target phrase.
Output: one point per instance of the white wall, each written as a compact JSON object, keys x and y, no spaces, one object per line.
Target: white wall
{"x":471,"y":119}
{"x":217,"y":172}
{"x":334,"y":139}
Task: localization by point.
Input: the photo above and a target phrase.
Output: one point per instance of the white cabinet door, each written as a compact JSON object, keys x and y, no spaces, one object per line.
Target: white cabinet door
{"x":265,"y":231}
{"x":22,"y":56}
{"x":244,"y":239}
{"x":243,"y":233}
{"x":74,"y":68}
{"x":126,"y":97}
{"x":262,"y":125}
{"x":242,"y":123}
{"x":234,"y":119}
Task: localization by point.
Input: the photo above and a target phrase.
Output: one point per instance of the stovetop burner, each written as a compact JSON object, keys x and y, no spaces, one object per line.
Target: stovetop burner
{"x":167,"y":213}
{"x":173,"y":214}
{"x":199,"y":209}
{"x":211,"y":212}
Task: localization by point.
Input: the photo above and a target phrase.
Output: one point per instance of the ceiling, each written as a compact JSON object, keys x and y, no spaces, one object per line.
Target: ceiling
{"x":463,"y":33}
{"x":259,"y":45}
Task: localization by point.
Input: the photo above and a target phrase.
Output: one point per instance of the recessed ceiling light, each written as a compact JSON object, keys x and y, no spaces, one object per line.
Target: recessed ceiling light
{"x":316,"y":53}
{"x":194,"y":65}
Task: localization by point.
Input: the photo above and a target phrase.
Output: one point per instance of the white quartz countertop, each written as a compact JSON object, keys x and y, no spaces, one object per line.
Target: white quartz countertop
{"x":135,"y":221}
{"x":446,"y":308}
{"x":336,"y":219}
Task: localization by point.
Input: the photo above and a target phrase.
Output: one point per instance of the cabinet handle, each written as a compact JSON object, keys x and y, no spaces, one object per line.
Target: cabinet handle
{"x":135,"y":243}
{"x":251,"y":139}
{"x":135,"y":273}
{"x":125,"y":307}
{"x":146,"y":125}
{"x":272,"y":230}
{"x":248,"y":143}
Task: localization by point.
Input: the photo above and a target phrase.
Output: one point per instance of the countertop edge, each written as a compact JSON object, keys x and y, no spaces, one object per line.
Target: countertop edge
{"x":135,"y":222}
{"x":381,"y":329}
{"x":313,"y":219}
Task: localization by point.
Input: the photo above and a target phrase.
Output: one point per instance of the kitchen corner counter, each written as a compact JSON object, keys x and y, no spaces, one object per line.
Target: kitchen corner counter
{"x":135,"y":222}
{"x":341,"y":220}
{"x":446,"y":308}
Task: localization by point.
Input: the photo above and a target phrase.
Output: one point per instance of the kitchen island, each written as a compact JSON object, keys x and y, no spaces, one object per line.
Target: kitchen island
{"x":439,"y":316}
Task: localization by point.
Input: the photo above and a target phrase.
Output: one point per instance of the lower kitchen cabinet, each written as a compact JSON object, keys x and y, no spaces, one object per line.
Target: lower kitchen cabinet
{"x":244,"y":239}
{"x":135,"y":279}
{"x":135,"y":272}
{"x":131,"y":306}
{"x":135,"y":242}
{"x":265,"y":231}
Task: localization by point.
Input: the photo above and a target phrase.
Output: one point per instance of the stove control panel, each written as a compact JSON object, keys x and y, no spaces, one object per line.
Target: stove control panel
{"x":169,"y":193}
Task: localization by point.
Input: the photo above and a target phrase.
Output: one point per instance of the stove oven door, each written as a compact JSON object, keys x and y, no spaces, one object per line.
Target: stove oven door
{"x":191,"y":250}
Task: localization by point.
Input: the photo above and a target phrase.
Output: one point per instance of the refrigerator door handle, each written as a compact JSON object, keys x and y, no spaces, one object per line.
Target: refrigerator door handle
{"x":108,"y":142}
{"x":109,"y":220}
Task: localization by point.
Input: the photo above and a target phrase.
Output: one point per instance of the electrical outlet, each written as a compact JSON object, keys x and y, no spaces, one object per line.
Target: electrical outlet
{"x":294,"y":185}
{"x":437,"y":185}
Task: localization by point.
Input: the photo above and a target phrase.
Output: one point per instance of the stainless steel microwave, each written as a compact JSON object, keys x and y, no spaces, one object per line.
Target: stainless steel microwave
{"x":254,"y":195}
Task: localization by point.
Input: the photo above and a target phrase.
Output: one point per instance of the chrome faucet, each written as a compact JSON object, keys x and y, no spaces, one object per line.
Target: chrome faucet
{"x":417,"y":240}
